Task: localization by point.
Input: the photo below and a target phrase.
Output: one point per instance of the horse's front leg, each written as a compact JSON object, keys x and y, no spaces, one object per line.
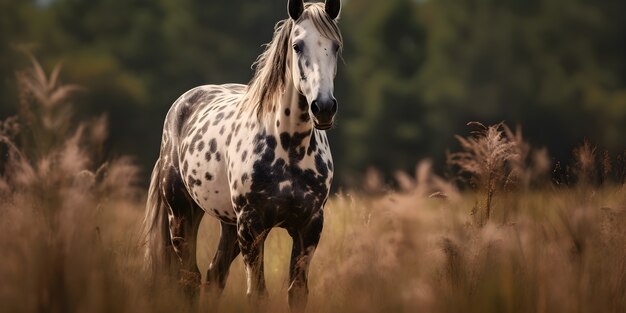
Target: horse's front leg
{"x":251,"y":234}
{"x":305,"y":240}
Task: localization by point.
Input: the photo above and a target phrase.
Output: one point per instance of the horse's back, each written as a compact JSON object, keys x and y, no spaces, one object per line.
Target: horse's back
{"x":193,"y":137}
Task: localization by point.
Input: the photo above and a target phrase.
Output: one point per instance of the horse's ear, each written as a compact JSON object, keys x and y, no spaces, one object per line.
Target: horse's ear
{"x":295,"y":8}
{"x":332,"y":8}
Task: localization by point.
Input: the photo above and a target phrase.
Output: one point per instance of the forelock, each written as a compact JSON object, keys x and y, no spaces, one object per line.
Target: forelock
{"x":316,"y":13}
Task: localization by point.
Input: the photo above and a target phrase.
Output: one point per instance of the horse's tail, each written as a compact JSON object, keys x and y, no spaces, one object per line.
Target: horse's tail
{"x":156,"y":233}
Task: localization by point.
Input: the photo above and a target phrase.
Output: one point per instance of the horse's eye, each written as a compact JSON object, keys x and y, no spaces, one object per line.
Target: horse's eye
{"x":297,"y":48}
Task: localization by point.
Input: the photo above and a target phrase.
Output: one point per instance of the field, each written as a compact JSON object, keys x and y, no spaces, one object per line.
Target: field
{"x":512,"y":240}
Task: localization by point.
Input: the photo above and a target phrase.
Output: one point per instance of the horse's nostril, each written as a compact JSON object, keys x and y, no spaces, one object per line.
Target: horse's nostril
{"x":333,"y":109}
{"x":315,"y":108}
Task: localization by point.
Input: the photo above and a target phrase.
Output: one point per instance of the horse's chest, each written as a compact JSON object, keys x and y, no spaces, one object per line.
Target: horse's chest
{"x":287,"y":181}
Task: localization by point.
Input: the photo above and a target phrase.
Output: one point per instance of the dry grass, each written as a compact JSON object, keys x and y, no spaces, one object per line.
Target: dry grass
{"x":70,"y":225}
{"x":492,"y":158}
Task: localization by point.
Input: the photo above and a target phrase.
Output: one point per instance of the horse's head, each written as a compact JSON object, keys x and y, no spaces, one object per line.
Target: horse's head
{"x":316,"y":43}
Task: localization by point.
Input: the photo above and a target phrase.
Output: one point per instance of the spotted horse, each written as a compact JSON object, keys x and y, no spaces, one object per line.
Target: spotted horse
{"x":253,"y":156}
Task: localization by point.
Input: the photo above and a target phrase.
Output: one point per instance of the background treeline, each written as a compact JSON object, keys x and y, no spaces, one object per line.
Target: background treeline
{"x":415,"y":70}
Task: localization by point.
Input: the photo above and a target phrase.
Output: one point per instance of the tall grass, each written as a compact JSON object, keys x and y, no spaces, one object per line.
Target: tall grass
{"x":69,"y":221}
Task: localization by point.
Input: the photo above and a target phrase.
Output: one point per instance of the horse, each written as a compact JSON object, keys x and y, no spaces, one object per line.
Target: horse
{"x":253,"y":156}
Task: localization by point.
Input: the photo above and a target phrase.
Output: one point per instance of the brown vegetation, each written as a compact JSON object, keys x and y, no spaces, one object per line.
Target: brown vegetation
{"x":69,"y":231}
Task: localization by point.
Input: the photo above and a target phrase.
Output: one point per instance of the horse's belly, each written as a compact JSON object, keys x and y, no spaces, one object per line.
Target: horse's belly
{"x":208,"y":186}
{"x":215,"y":200}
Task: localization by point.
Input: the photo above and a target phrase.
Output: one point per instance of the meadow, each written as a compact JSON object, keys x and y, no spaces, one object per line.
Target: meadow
{"x":507,"y":233}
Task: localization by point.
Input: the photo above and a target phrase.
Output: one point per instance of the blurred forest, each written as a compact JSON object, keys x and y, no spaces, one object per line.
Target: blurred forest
{"x":414,"y":71}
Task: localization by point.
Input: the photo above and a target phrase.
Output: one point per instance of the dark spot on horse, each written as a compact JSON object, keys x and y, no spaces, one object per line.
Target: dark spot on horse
{"x":197,"y":95}
{"x":302,"y":103}
{"x":212,"y":145}
{"x":230,"y":114}
{"x":284,"y":140}
{"x":307,"y":64}
{"x":321,"y":166}
{"x":271,"y":142}
{"x":312,"y":145}
{"x":193,"y":122}
{"x":194,"y":172}
{"x":244,"y":155}
{"x":183,"y":114}
{"x":185,"y":166}
{"x":238,"y":145}
{"x":277,"y":123}
{"x":244,"y":178}
{"x":207,"y":156}
{"x":205,"y":127}
{"x":200,"y":146}
{"x":208,"y":176}
{"x":218,"y":117}
{"x":258,"y":147}
{"x":280,"y":163}
{"x":193,"y":143}
{"x":228,"y":139}
{"x":301,"y":69}
{"x":300,"y":154}
{"x":330,"y":165}
{"x":218,"y":156}
{"x":305,"y":117}
{"x":287,"y":111}
{"x":192,"y":181}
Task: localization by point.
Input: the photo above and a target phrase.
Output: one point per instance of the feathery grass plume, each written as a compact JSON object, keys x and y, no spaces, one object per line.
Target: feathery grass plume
{"x":488,"y":159}
{"x":523,"y":150}
{"x":9,"y":128}
{"x":44,"y":108}
{"x":426,"y":184}
{"x":15,"y":169}
{"x":373,"y":181}
{"x":53,"y":206}
{"x":531,"y":166}
{"x":585,"y":164}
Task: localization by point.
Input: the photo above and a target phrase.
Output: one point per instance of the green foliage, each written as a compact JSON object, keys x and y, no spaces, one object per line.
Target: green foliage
{"x":419,"y":69}
{"x":414,"y":71}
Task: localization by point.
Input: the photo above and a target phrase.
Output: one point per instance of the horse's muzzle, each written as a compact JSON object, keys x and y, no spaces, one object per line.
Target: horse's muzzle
{"x":324,"y":113}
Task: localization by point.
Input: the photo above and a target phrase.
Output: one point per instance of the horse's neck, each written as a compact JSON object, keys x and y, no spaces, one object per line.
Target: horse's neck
{"x":292,"y":113}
